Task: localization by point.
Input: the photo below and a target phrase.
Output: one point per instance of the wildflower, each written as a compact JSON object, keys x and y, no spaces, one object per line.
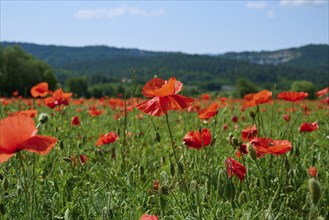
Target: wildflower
{"x":322,"y":92}
{"x":149,"y":217}
{"x":312,"y":171}
{"x":268,"y":146}
{"x":249,"y":133}
{"x":254,"y":99}
{"x":108,"y":138}
{"x":287,"y":118}
{"x":40,"y":89}
{"x":308,"y":127}
{"x":18,"y":132}
{"x":75,"y":120}
{"x":208,"y":112}
{"x":164,"y":97}
{"x":235,"y":168}
{"x":292,"y":96}
{"x":197,"y":139}
{"x":58,"y":98}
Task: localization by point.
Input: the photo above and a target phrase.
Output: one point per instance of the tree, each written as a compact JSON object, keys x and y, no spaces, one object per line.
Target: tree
{"x":244,"y":87}
{"x":78,"y":86}
{"x":21,"y":71}
{"x":304,"y":86}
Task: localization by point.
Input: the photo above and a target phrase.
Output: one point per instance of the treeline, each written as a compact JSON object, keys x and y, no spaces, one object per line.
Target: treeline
{"x":19,"y":71}
{"x":127,"y":74}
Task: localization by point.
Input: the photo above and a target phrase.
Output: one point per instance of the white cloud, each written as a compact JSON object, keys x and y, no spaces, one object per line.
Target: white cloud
{"x":256,"y":5}
{"x":116,"y":12}
{"x":303,"y":2}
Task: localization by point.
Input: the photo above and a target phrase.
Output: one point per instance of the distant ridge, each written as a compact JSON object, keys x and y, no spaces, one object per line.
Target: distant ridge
{"x":310,"y":62}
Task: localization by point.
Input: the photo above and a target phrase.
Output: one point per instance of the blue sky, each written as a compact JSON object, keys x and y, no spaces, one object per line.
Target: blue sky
{"x":186,"y":26}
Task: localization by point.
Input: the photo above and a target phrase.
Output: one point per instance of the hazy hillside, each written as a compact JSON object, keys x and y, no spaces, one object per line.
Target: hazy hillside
{"x":310,"y":57}
{"x":282,"y":67}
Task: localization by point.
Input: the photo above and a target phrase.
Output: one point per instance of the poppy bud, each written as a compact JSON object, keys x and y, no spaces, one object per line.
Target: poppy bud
{"x":315,"y":191}
{"x":252,"y":152}
{"x":157,"y":137}
{"x":252,"y":114}
{"x":236,"y":142}
{"x":172,"y":169}
{"x":43,"y":118}
{"x":165,"y":190}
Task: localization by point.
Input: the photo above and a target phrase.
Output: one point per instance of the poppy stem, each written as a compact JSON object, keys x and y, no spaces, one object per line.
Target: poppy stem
{"x":33,"y":180}
{"x":177,"y":163}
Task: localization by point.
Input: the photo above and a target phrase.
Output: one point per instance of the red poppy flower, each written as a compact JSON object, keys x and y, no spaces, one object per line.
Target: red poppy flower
{"x":235,"y":119}
{"x":83,"y":159}
{"x":292,"y":96}
{"x":40,"y":89}
{"x":18,"y":132}
{"x":75,"y":120}
{"x":287,"y":118}
{"x":58,"y":98}
{"x":312,"y":171}
{"x":15,"y":93}
{"x":164,"y":97}
{"x":322,"y":92}
{"x":249,"y":133}
{"x":254,"y":99}
{"x":205,"y":96}
{"x":149,"y":217}
{"x":268,"y":146}
{"x":208,"y":112}
{"x":235,"y":168}
{"x":198,"y":140}
{"x":108,"y":138}
{"x":95,"y":112}
{"x":308,"y":127}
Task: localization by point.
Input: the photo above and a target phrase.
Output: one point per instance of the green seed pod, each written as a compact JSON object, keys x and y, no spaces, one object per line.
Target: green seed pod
{"x":235,"y":142}
{"x":172,"y":169}
{"x":252,"y":152}
{"x":165,"y":190}
{"x":43,"y":118}
{"x":157,"y":137}
{"x":252,"y":114}
{"x":315,"y":191}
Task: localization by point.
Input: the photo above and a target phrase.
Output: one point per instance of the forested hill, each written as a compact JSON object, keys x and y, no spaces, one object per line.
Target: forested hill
{"x":305,"y":63}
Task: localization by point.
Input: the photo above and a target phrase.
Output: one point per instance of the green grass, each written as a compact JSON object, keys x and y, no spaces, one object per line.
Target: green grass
{"x":197,"y":187}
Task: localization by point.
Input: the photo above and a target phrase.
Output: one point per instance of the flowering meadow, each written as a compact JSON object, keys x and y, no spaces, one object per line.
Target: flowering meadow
{"x":164,"y":156}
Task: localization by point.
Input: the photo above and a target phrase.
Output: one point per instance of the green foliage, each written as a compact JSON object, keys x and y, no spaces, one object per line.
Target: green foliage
{"x":122,"y":186}
{"x":78,"y":86}
{"x":244,"y":87}
{"x":304,"y":86}
{"x":202,"y":71}
{"x":20,"y":71}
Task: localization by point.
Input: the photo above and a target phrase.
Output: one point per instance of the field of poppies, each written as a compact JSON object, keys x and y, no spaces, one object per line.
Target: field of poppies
{"x":165,"y":156}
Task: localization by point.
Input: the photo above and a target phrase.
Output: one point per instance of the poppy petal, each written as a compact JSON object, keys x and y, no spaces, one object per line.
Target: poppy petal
{"x":4,"y":157}
{"x":151,"y":85}
{"x":156,"y":106}
{"x":39,"y":144}
{"x":179,"y":102}
{"x":40,"y":89}
{"x":14,"y":130}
